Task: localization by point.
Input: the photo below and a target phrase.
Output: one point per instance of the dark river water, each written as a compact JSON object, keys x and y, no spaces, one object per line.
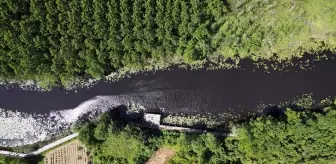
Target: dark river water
{"x":185,"y":91}
{"x":229,"y":94}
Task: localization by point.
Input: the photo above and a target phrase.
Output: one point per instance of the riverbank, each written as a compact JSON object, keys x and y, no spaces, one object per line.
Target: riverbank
{"x":305,"y":62}
{"x":56,"y":122}
{"x":232,"y":86}
{"x":281,"y":139}
{"x":300,"y":108}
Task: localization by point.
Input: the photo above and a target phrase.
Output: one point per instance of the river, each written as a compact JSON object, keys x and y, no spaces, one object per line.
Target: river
{"x":171,"y":91}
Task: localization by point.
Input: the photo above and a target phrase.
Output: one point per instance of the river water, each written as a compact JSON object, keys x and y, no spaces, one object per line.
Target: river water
{"x":234,"y":91}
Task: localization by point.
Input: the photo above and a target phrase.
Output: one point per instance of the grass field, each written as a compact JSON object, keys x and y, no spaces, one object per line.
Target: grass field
{"x":71,"y":153}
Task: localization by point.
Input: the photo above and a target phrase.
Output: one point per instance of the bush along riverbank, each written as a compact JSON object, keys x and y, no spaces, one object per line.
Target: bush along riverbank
{"x":13,"y":160}
{"x":59,"y":43}
{"x":298,"y":135}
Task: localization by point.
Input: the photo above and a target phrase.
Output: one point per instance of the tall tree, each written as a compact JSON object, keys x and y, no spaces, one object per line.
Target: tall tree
{"x":150,"y":26}
{"x":114,"y":42}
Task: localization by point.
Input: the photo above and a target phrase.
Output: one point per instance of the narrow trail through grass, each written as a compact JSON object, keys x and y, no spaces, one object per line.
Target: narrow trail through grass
{"x":161,"y":156}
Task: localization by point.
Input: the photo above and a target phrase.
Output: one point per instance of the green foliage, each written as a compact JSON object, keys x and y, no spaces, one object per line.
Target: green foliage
{"x":259,"y":29}
{"x":111,"y":143}
{"x":296,"y":137}
{"x":302,"y":137}
{"x":87,"y":134}
{"x":11,"y":160}
{"x":29,"y":160}
{"x":205,"y":148}
{"x":299,"y":137}
{"x":56,"y":42}
{"x":121,"y":146}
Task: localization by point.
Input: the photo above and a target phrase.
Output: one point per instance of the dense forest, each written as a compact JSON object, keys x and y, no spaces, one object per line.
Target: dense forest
{"x":295,"y":137}
{"x":57,"y":41}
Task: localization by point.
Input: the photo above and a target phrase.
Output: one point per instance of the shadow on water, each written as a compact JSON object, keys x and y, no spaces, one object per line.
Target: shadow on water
{"x":185,"y":91}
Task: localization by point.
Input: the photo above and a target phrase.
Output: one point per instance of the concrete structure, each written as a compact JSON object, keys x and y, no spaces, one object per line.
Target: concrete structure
{"x":13,"y":154}
{"x":192,"y":130}
{"x":56,"y":143}
{"x":152,"y":118}
{"x":155,"y":119}
{"x":42,"y":149}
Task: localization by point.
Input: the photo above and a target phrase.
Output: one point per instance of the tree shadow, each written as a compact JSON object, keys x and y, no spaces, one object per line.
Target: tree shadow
{"x":279,"y":112}
{"x":35,"y":159}
{"x":274,"y":111}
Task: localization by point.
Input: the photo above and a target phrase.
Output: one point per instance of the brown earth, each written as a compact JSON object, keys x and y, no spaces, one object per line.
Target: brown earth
{"x":161,"y":156}
{"x":71,"y":153}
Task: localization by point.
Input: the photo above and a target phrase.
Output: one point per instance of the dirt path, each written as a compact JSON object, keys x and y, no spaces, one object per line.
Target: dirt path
{"x":161,"y":156}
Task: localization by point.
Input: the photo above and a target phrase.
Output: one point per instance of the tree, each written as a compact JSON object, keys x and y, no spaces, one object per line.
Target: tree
{"x":86,"y":135}
{"x":149,"y":23}
{"x":114,"y":43}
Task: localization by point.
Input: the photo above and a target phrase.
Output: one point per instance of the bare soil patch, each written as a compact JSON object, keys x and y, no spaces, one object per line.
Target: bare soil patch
{"x":161,"y":156}
{"x":72,"y":153}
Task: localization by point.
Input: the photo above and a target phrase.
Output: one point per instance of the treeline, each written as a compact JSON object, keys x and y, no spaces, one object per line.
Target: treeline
{"x":57,"y":41}
{"x":295,"y":137}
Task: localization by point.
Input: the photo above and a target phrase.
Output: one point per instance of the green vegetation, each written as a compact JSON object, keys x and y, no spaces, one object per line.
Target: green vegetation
{"x":307,"y":136}
{"x":12,"y":160}
{"x":260,"y":29}
{"x":116,"y":144}
{"x":57,"y":42}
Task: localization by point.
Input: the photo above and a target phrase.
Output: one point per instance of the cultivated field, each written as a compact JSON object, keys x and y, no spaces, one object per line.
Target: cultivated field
{"x":72,"y":153}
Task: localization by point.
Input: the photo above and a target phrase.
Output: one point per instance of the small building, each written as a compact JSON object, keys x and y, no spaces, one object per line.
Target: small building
{"x":152,"y":118}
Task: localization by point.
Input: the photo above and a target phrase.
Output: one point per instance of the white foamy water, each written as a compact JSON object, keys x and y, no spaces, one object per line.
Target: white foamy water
{"x":18,"y":128}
